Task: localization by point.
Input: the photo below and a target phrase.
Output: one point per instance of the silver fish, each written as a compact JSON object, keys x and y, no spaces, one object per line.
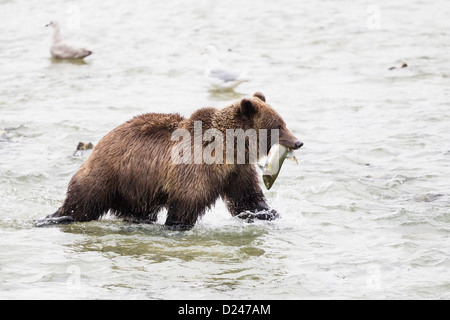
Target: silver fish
{"x":274,"y":161}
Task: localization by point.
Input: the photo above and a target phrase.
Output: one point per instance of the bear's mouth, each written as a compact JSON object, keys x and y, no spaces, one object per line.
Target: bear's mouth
{"x":287,"y":139}
{"x":291,"y":145}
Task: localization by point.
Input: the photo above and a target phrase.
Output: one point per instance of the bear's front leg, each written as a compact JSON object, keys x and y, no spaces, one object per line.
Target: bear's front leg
{"x":181,"y":217}
{"x":245,"y":199}
{"x":251,"y":208}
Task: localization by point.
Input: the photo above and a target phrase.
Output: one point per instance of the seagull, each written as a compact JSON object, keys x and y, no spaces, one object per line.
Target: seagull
{"x":218,"y":75}
{"x":404,"y":65}
{"x":60,"y":50}
{"x":3,"y":136}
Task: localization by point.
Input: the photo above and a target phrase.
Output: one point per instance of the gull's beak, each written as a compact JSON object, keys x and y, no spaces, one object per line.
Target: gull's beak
{"x":203,"y":52}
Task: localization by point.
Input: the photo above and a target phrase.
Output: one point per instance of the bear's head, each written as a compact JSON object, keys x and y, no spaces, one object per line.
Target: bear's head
{"x":256,"y":113}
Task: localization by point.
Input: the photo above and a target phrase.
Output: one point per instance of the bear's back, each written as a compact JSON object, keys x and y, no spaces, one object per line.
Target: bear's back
{"x":149,"y":123}
{"x":136,"y":139}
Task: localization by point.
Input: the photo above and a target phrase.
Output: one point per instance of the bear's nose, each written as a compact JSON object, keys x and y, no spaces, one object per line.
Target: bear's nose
{"x":298,"y":145}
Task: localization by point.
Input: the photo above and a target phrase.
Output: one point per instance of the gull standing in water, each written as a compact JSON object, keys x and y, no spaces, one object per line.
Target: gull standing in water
{"x":60,"y":50}
{"x":218,"y":75}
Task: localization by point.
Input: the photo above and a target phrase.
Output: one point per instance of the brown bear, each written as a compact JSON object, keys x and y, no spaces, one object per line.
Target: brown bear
{"x":131,"y":173}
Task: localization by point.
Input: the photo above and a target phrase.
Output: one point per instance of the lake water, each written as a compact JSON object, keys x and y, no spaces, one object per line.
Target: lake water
{"x":365,"y":213}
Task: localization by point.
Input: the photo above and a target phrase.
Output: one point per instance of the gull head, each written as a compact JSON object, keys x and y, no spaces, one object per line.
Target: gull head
{"x":210,"y":51}
{"x":53,"y":24}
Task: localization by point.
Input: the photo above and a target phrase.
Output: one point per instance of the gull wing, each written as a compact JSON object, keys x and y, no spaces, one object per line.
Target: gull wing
{"x":64,"y":51}
{"x":224,"y":74}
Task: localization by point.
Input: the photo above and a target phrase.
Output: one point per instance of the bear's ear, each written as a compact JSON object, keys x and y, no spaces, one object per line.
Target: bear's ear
{"x":260,"y":96}
{"x":247,"y":108}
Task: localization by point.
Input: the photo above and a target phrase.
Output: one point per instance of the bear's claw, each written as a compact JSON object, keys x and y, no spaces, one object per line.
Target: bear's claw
{"x":51,"y":221}
{"x":249,"y":216}
{"x":176,"y":226}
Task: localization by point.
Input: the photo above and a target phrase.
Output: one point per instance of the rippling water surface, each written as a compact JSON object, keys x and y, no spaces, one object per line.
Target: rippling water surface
{"x":365,"y":213}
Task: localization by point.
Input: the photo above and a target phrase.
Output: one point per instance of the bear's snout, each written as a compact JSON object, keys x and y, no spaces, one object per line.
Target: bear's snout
{"x":293,"y":145}
{"x":288,"y":140}
{"x":298,"y":145}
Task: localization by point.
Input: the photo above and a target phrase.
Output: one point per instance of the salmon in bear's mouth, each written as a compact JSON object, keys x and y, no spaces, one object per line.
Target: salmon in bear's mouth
{"x":277,"y":154}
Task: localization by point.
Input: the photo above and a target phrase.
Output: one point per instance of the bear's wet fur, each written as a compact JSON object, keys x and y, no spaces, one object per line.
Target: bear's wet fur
{"x":130,"y":173}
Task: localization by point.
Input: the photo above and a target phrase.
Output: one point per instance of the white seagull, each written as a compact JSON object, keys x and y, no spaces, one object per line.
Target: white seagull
{"x":220,"y":76}
{"x":60,"y":50}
